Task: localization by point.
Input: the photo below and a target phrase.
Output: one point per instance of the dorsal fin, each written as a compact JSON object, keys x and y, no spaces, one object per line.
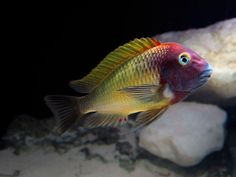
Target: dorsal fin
{"x":111,"y":62}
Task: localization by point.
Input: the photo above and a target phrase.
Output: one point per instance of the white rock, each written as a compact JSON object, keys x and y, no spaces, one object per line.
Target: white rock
{"x":185,"y":133}
{"x":216,"y":43}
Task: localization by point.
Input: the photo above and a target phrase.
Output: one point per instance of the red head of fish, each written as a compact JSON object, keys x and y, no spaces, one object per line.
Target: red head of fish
{"x":183,"y":69}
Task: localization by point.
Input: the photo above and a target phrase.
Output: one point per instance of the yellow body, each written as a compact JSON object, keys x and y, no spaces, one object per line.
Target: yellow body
{"x":126,"y":81}
{"x":108,"y":97}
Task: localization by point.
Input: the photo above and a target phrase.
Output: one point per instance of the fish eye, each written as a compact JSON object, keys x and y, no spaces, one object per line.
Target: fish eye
{"x":184,"y":58}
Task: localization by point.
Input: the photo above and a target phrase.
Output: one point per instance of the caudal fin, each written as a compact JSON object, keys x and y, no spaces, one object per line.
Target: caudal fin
{"x":65,"y":109}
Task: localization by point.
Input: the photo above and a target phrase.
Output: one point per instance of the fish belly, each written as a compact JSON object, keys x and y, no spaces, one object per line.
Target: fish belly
{"x":123,"y":104}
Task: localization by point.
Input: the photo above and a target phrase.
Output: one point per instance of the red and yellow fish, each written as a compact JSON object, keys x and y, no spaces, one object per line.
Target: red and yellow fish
{"x":143,"y":76}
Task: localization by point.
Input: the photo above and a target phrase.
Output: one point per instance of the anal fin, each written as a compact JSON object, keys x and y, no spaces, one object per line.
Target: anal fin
{"x":97,"y":119}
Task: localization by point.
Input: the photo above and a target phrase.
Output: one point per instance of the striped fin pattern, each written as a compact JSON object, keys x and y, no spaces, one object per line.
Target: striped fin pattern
{"x":104,"y":120}
{"x":111,"y":62}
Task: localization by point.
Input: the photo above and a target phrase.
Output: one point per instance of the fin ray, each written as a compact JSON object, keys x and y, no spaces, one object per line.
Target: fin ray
{"x":111,"y":62}
{"x":103,"y":120}
{"x":145,"y":93}
{"x":146,"y":117}
{"x":65,"y":109}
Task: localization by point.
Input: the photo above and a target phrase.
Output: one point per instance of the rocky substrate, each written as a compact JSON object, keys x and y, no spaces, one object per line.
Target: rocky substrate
{"x":108,"y":146}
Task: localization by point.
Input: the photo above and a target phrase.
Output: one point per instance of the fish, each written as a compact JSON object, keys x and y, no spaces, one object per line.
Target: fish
{"x":143,"y":77}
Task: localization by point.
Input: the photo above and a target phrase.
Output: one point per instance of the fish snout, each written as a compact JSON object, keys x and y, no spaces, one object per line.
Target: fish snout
{"x":205,"y":74}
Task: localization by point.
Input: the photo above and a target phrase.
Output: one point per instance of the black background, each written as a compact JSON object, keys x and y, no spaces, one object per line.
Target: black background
{"x":49,"y":45}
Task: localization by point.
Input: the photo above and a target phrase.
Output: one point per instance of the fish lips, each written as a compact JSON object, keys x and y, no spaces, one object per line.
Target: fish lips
{"x":204,"y":76}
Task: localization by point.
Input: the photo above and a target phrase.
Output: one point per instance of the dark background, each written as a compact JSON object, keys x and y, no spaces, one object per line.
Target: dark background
{"x":48,"y":45}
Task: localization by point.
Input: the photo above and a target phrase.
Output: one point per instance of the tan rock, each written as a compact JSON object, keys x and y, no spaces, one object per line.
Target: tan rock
{"x":186,"y":133}
{"x":216,"y":43}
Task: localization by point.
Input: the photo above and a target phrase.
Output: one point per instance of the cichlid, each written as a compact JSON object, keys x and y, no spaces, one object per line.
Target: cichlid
{"x":143,"y":76}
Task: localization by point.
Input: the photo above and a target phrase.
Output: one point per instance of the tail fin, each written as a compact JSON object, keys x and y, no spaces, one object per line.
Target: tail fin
{"x":65,"y":109}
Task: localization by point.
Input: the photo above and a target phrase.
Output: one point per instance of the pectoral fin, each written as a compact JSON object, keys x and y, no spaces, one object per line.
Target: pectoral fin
{"x":144,"y":92}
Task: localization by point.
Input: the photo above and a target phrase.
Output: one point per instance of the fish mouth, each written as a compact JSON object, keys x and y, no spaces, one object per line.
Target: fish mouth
{"x":204,"y":76}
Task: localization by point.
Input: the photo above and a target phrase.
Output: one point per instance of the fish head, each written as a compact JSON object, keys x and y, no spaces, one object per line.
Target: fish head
{"x":183,"y":69}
